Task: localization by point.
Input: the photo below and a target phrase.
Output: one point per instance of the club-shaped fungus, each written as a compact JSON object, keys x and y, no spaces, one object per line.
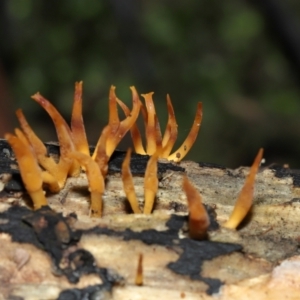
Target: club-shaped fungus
{"x":77,"y":124}
{"x":139,"y":278}
{"x":95,"y":179}
{"x":198,"y":216}
{"x":150,"y":184}
{"x":245,"y":199}
{"x":128,"y":184}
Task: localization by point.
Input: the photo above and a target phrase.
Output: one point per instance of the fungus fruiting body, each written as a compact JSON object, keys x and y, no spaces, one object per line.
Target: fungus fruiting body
{"x":198,"y":217}
{"x":244,"y":201}
{"x":37,"y":168}
{"x":139,"y":278}
{"x":34,"y":161}
{"x":128,"y":184}
{"x":155,"y":142}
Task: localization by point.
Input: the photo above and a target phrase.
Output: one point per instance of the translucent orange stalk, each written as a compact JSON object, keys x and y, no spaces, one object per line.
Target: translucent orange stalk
{"x":150,"y":184}
{"x":153,"y":132}
{"x":179,"y":154}
{"x":96,"y":181}
{"x":30,"y":171}
{"x":77,"y":125}
{"x":128,"y":184}
{"x":63,"y":134}
{"x":171,"y":131}
{"x":245,"y":199}
{"x":139,"y":278}
{"x":198,"y":217}
{"x":60,"y":170}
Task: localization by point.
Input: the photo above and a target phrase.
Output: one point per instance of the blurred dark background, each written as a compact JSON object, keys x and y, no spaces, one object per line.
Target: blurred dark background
{"x":240,"y":58}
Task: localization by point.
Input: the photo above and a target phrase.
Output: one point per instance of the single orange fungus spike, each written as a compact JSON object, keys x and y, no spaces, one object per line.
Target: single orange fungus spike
{"x":77,"y":125}
{"x":158,"y":136}
{"x":189,"y":141}
{"x":198,"y":217}
{"x":150,"y":184}
{"x":30,"y":171}
{"x":171,"y":131}
{"x":63,"y":134}
{"x":139,"y":278}
{"x":134,"y":131}
{"x":245,"y":199}
{"x":96,"y":181}
{"x":153,"y":133}
{"x":118,"y":132}
{"x":113,"y":121}
{"x":128,"y":184}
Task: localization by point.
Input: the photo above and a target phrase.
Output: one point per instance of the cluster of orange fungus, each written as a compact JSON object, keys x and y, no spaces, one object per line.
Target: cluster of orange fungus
{"x":156,"y":143}
{"x":37,"y":168}
{"x":150,"y":184}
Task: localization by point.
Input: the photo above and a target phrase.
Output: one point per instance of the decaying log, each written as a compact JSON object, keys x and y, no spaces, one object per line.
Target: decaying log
{"x":59,"y":252}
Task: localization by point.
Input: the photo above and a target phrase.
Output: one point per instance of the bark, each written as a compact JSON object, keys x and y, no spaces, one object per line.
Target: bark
{"x":61,"y":252}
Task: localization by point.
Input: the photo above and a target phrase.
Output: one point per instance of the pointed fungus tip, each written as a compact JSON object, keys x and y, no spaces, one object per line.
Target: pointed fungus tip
{"x":198,"y":216}
{"x":37,"y":94}
{"x":245,"y":199}
{"x":139,"y":278}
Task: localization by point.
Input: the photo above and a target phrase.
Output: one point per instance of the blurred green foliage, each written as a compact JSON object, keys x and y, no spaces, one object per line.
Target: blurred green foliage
{"x":216,"y":52}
